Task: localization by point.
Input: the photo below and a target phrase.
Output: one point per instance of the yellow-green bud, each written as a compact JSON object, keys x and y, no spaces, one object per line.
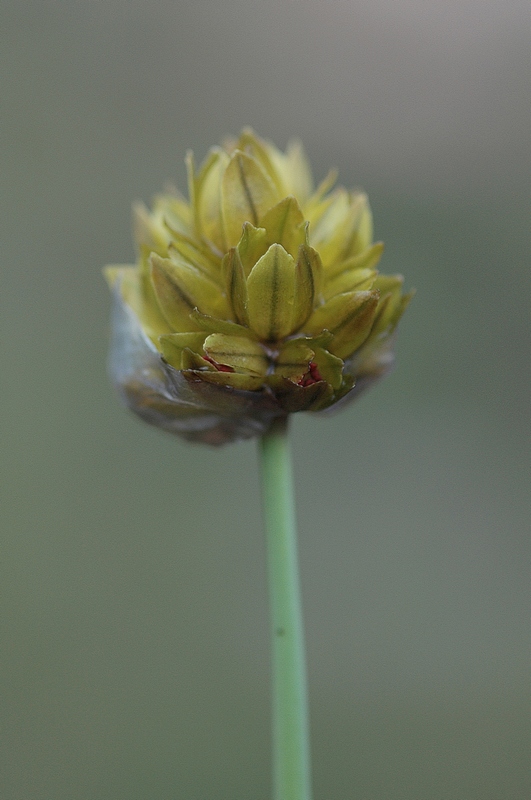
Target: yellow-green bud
{"x":256,"y":298}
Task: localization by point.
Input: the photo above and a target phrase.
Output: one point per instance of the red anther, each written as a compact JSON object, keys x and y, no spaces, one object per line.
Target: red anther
{"x":312,"y":376}
{"x":219,"y":367}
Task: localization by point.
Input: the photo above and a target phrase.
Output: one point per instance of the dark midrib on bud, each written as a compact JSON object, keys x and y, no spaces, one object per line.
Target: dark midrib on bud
{"x":282,"y":226}
{"x":237,"y":288}
{"x":274,"y":299}
{"x":186,"y":299}
{"x":247,"y":191}
{"x":353,"y":314}
{"x":304,"y":260}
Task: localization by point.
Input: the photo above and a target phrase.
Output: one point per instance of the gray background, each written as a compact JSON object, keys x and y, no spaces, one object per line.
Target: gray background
{"x":134,"y":614}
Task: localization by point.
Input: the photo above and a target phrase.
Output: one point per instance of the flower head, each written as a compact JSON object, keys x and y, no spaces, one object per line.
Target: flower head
{"x":257,"y":297}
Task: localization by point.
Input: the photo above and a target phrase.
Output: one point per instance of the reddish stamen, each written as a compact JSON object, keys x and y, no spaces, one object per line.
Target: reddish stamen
{"x":312,"y":376}
{"x":219,"y":367}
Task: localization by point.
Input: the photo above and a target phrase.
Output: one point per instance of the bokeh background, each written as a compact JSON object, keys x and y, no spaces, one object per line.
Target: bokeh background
{"x":135,"y":657}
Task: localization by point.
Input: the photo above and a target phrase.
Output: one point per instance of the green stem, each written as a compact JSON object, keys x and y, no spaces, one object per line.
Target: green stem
{"x":291,"y":746}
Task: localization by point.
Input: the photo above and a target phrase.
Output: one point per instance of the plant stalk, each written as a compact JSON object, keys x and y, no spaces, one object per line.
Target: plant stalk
{"x":291,"y":745}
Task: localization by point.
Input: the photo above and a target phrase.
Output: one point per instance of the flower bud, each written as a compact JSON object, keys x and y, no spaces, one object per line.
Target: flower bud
{"x":256,"y":298}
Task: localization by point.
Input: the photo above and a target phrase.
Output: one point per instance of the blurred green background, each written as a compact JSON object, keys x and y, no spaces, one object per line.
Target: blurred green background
{"x":135,"y":657}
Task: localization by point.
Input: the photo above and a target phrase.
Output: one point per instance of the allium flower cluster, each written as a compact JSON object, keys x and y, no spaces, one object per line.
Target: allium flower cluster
{"x":257,"y":297}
